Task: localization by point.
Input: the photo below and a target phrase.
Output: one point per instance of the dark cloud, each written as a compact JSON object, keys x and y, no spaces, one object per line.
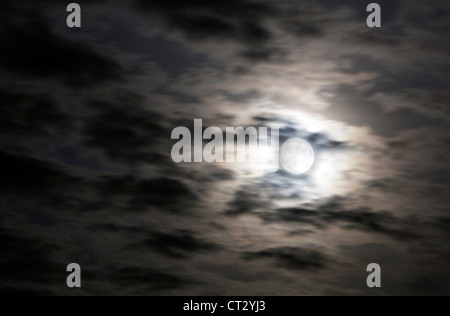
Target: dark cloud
{"x":239,"y":272}
{"x":297,"y":259}
{"x":295,"y":215}
{"x":86,"y":117}
{"x":114,"y":228}
{"x":179,"y":244}
{"x":217,"y":175}
{"x":145,"y":281}
{"x":30,"y":177}
{"x":264,"y":54}
{"x":236,"y":8}
{"x":432,"y":20}
{"x":245,"y":201}
{"x":323,"y":141}
{"x":173,"y":57}
{"x":378,"y":222}
{"x":333,"y":212}
{"x":431,"y":284}
{"x":306,"y":21}
{"x":164,"y":193}
{"x":35,"y":52}
{"x":383,"y":39}
{"x":243,"y":96}
{"x":444,"y":224}
{"x":35,"y":188}
{"x":31,"y":115}
{"x":124,"y":135}
{"x":242,"y":22}
{"x":10,"y":11}
{"x":26,"y":261}
{"x":304,"y":29}
{"x":235,"y":20}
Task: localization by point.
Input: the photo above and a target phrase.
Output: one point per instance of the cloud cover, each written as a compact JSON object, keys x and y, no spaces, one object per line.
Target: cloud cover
{"x":85,"y":123}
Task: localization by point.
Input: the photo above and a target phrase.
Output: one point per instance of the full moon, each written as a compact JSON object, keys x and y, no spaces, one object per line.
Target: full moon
{"x":297,"y":156}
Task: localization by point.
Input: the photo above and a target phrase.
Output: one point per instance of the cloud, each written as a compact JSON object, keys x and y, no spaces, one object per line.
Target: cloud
{"x":35,"y":52}
{"x":430,"y":284}
{"x":291,"y":129}
{"x":296,"y":259}
{"x":26,"y":261}
{"x":34,"y":115}
{"x":236,"y":20}
{"x":166,"y":193}
{"x":294,"y":215}
{"x":378,"y":222}
{"x":240,"y":22}
{"x":30,"y":177}
{"x":162,"y":193}
{"x":145,"y":281}
{"x":263,"y":54}
{"x":94,"y":168}
{"x":114,"y":228}
{"x":324,"y":215}
{"x":124,"y":135}
{"x":179,"y":244}
{"x":432,"y":103}
{"x":444,"y":223}
{"x":245,"y":201}
{"x":242,"y":97}
{"x":353,"y":107}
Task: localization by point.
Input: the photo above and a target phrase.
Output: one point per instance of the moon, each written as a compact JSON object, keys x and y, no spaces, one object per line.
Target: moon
{"x":297,"y":156}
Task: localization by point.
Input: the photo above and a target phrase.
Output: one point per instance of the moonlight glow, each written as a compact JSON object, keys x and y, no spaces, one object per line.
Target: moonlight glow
{"x":297,"y":156}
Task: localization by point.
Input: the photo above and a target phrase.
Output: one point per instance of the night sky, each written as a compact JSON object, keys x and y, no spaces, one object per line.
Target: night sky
{"x":86,"y":116}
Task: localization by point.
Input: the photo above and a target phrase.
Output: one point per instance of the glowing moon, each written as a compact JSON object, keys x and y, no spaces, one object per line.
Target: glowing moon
{"x":297,"y":156}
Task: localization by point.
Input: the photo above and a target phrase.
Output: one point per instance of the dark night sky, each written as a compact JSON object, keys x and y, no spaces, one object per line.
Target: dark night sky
{"x":86,"y":117}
